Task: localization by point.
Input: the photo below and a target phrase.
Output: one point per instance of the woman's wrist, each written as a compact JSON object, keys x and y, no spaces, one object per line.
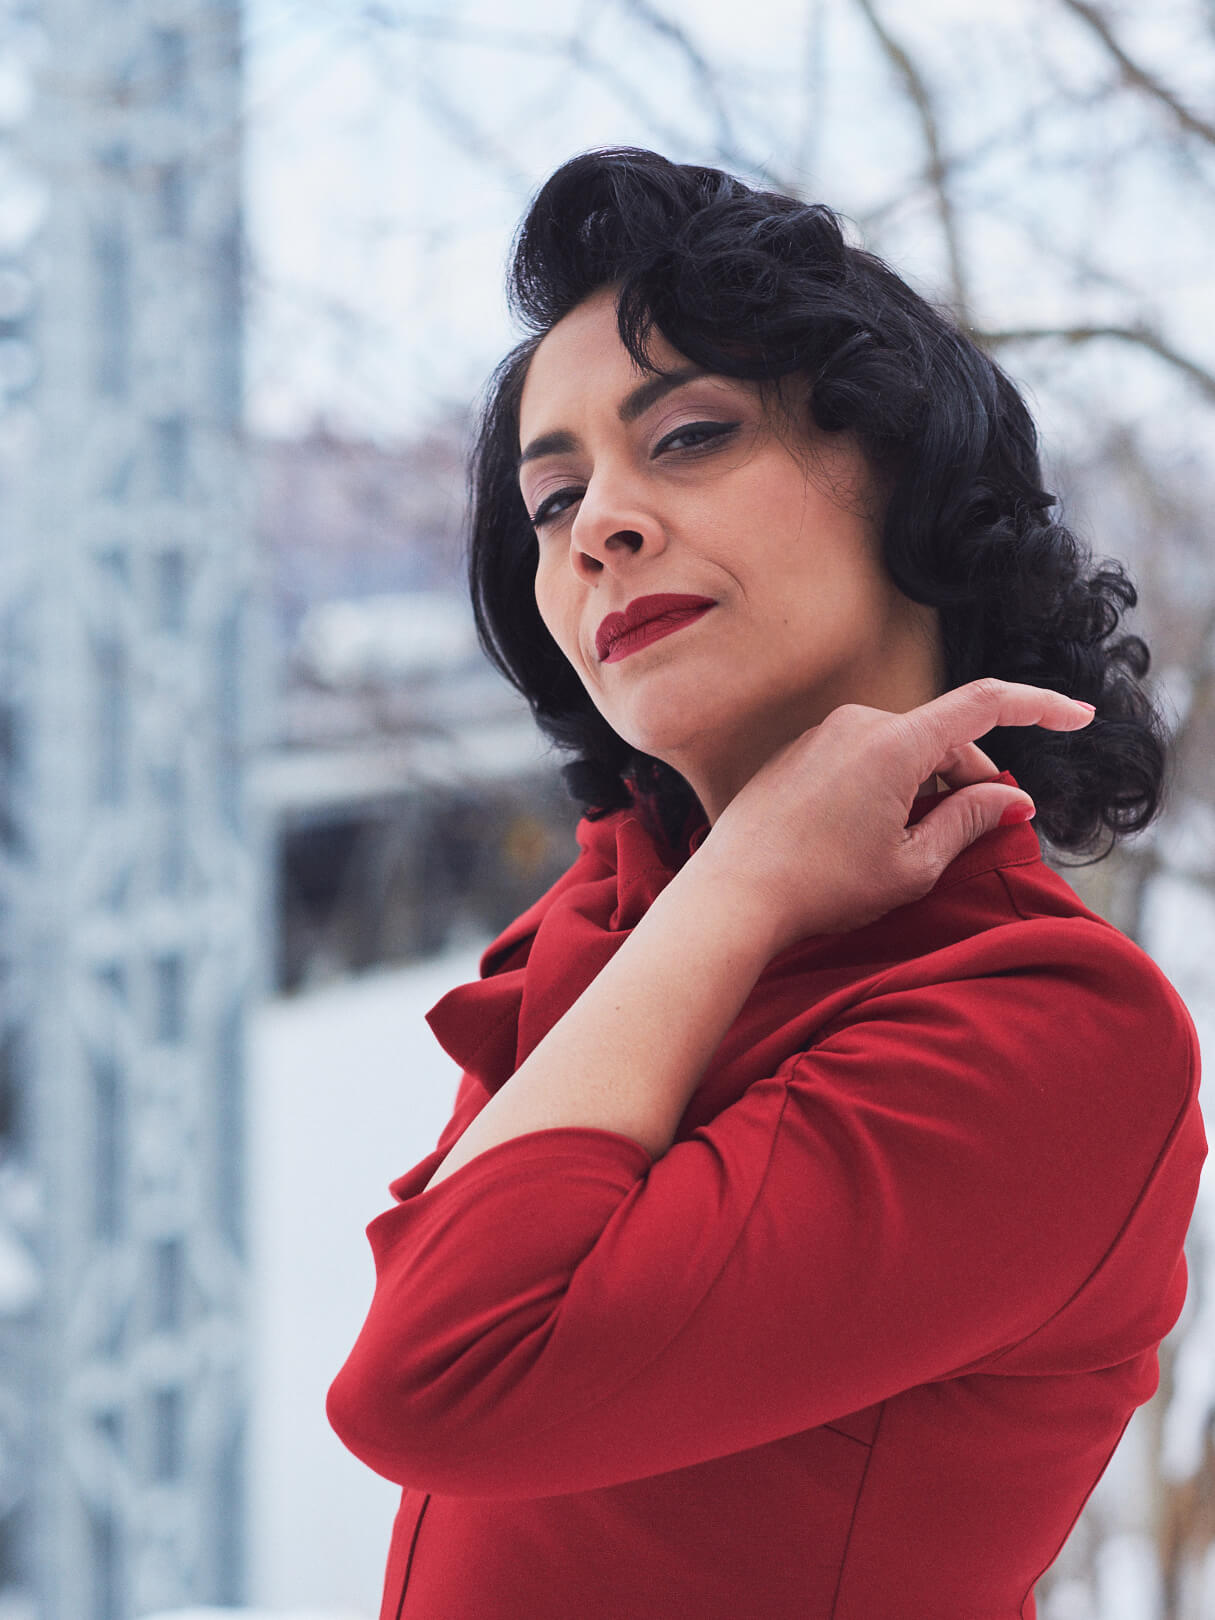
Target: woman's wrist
{"x":728,"y":903}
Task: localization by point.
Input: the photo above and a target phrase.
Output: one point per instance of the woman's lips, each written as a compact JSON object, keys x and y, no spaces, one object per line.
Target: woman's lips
{"x":647,"y":619}
{"x":652,"y":630}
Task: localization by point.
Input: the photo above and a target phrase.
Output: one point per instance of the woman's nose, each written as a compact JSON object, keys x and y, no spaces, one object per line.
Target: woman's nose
{"x":609,"y":529}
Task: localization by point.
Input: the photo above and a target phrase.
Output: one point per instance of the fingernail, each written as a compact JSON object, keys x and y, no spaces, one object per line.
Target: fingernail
{"x":1082,"y":705}
{"x":1016,"y":813}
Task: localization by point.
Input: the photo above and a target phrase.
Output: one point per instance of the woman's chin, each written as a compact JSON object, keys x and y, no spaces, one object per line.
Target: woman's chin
{"x":679,"y":718}
{"x":677,"y":746}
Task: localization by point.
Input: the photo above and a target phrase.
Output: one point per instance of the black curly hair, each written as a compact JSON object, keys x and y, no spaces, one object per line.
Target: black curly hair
{"x":756,"y":285}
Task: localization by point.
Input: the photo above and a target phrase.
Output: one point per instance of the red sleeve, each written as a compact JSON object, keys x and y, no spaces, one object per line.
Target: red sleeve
{"x":923,"y":1189}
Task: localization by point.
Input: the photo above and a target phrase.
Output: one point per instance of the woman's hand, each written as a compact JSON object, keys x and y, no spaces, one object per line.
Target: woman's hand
{"x":818,"y":840}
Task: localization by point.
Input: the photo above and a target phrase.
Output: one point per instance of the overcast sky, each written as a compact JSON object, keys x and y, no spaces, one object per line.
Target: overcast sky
{"x":387,"y":171}
{"x":389,"y":162}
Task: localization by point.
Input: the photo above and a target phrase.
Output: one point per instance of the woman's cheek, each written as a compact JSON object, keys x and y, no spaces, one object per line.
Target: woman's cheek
{"x":554,"y":613}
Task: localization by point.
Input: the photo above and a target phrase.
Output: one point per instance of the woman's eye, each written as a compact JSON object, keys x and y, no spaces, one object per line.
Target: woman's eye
{"x":686,"y":440}
{"x":694,"y":436}
{"x":550,"y":507}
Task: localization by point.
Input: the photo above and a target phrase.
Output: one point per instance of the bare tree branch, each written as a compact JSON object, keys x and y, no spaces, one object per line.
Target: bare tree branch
{"x":1135,"y":73}
{"x":814,"y":49}
{"x":729,"y":150}
{"x":938,"y":165}
{"x":626,"y":93}
{"x":452,"y":116}
{"x":573,"y":48}
{"x":702,"y":69}
{"x":451,"y":30}
{"x":1142,"y":336}
{"x":1083,"y":270}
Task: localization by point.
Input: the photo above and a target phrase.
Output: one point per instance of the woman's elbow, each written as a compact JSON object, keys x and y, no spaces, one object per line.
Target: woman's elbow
{"x":415,"y":1431}
{"x":378,"y":1415}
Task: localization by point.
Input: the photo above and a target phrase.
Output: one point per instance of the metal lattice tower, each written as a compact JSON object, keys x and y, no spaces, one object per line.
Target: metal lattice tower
{"x":128,"y":877}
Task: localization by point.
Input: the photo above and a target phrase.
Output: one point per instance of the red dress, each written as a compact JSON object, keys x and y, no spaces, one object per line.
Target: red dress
{"x":860,"y":1343}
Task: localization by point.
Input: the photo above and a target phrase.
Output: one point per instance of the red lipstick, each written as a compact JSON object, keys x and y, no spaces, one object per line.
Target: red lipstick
{"x":644,"y":620}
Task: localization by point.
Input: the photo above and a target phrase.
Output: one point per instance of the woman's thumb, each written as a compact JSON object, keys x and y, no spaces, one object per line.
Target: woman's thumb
{"x":966,"y":815}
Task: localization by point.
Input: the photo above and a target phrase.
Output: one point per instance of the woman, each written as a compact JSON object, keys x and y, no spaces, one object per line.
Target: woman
{"x":814,"y":1199}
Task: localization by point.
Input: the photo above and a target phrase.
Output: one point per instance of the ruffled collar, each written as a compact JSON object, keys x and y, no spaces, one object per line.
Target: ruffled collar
{"x":538,"y":967}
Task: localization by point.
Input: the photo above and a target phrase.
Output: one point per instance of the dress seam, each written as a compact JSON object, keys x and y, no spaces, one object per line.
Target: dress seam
{"x":856,"y":1508}
{"x":844,"y":1435}
{"x":413,"y":1547}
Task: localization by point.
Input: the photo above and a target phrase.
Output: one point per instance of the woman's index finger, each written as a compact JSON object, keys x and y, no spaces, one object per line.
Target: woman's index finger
{"x":968,"y":712}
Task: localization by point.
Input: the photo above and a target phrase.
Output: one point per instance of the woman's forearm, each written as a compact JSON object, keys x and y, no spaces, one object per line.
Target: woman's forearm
{"x":630,"y":1052}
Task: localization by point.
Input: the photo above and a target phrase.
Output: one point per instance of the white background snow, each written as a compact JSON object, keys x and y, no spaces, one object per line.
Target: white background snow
{"x":349,"y":1089}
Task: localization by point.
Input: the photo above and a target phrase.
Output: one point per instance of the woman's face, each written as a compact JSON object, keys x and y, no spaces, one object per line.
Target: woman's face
{"x":693,"y":485}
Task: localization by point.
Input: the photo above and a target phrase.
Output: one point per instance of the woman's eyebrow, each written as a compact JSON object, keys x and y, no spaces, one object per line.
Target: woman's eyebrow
{"x":632,"y":406}
{"x":549,"y":444}
{"x":649,"y":393}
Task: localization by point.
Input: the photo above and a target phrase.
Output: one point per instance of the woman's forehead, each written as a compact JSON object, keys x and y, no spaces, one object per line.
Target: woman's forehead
{"x":582,"y":356}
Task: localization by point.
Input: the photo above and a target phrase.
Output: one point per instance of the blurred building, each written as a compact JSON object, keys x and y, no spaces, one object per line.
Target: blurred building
{"x":128,"y":874}
{"x":411,"y":801}
{"x":338,"y":517}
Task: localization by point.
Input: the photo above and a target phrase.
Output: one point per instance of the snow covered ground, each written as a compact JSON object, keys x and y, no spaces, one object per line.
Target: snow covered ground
{"x":348,"y":1089}
{"x":243,"y":1614}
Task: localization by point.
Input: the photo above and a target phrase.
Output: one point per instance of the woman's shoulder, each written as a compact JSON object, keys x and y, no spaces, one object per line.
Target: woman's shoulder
{"x":1008,"y":904}
{"x":1082,"y":991}
{"x":1048,"y":921}
{"x":1039,"y":920}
